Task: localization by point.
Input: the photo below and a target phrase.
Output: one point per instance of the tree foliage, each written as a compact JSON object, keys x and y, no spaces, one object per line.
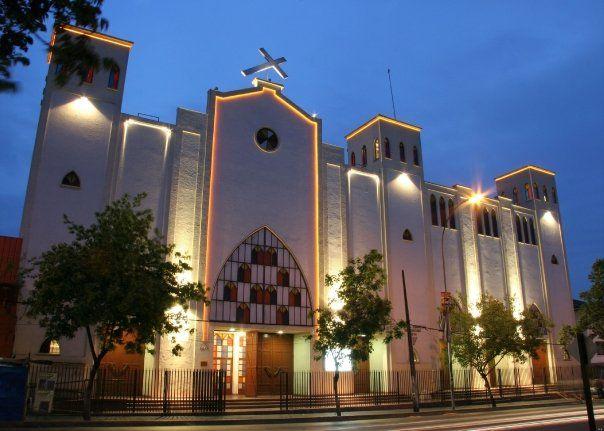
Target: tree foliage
{"x":348,"y":329}
{"x":116,"y":279}
{"x":482,"y":341}
{"x":22,"y":21}
{"x":591,"y":313}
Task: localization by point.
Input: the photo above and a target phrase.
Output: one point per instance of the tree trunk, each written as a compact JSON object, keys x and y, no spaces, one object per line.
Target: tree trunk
{"x":89,"y":387}
{"x":336,"y":377}
{"x":487,"y":385}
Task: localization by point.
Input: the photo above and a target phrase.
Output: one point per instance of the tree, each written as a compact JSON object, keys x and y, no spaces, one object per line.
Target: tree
{"x":591,"y":313}
{"x":346,"y":331}
{"x":482,"y":341}
{"x":22,"y":21}
{"x":116,"y":280}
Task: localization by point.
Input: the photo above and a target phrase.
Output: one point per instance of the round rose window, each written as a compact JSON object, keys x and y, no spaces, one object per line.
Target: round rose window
{"x":267,"y":139}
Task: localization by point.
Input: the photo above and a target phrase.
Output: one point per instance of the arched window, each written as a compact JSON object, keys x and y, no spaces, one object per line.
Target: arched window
{"x":353,"y":159}
{"x":479,"y":225}
{"x":518,"y":229}
{"x":230,"y":292}
{"x":256,"y":294}
{"x":364,"y":156}
{"x":536,"y":191}
{"x":244,"y":273}
{"x":545,"y":197}
{"x":251,"y":274}
{"x":525,"y":230}
{"x":114,"y":78}
{"x":376,"y":149}
{"x":452,"y":223}
{"x":487,"y":221}
{"x":283,"y":277}
{"x":271,"y":257}
{"x":407,"y":235}
{"x":532,"y":228}
{"x":295,"y":298}
{"x":270,"y":296}
{"x":443,"y":211}
{"x":257,"y":255}
{"x":433,"y":210}
{"x":536,"y":313}
{"x":554,"y":195}
{"x":415,"y":156}
{"x":282,"y":316}
{"x":50,"y":347}
{"x":494,"y":223}
{"x":387,"y":148}
{"x":401,"y":152}
{"x":243,"y":314}
{"x":89,"y":76}
{"x":71,"y":179}
{"x":554,"y":259}
{"x":527,"y":191}
{"x":515,"y":195}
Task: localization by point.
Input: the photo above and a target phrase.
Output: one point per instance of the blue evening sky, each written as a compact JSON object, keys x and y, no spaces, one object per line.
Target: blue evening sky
{"x":495,"y":85}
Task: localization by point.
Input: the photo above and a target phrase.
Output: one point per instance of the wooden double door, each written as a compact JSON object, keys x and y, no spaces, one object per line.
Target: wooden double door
{"x":275,"y":355}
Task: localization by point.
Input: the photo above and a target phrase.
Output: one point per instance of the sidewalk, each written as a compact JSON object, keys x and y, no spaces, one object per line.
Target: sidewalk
{"x":136,"y":421}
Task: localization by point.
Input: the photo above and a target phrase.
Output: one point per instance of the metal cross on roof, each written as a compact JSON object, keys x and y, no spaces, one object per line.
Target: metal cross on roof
{"x":270,"y":63}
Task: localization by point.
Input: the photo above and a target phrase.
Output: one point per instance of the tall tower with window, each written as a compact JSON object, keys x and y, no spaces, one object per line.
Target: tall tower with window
{"x":538,"y":232}
{"x":72,"y":158}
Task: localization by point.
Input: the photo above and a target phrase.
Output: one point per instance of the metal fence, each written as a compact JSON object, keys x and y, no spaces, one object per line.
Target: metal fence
{"x":358,"y":389}
{"x":133,"y":391}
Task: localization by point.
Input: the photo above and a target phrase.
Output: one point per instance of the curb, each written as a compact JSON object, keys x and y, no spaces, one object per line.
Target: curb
{"x":251,"y":421}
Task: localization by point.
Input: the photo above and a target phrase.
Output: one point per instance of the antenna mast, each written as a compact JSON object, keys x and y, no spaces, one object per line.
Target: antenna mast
{"x":391,"y":94}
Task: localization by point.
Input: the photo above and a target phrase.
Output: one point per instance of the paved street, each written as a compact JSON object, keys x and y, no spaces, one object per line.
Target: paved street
{"x":558,"y":418}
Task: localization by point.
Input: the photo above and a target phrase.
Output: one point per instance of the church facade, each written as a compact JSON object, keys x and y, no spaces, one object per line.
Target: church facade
{"x":265,"y":209}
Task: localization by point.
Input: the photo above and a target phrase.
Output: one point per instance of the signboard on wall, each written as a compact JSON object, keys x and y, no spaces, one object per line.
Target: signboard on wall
{"x":45,"y":392}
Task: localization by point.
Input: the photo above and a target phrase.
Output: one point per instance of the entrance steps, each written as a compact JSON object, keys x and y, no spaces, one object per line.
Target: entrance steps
{"x":246,"y":405}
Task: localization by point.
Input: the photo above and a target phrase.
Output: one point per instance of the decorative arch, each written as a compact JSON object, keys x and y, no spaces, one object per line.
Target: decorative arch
{"x":114,"y":77}
{"x":50,"y":347}
{"x":71,"y":179}
{"x":387,"y":148}
{"x":433,"y":210}
{"x":443,"y":211}
{"x":353,"y":159}
{"x":536,"y":312}
{"x":401,"y":152}
{"x":515,"y":195}
{"x":270,"y":288}
{"x":376,"y":149}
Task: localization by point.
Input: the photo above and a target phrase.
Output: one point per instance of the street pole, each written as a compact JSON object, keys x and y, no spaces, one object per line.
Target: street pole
{"x":586,"y":389}
{"x":414,"y":386}
{"x":446,"y":313}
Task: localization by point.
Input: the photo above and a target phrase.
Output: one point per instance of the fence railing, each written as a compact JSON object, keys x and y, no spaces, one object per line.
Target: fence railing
{"x":133,"y":391}
{"x":358,"y":389}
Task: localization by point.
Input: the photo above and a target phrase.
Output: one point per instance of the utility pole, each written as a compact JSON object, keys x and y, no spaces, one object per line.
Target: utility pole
{"x":414,"y":386}
{"x":585,"y":377}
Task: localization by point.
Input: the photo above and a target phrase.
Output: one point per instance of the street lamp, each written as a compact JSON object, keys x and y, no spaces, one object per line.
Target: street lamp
{"x":474,"y":199}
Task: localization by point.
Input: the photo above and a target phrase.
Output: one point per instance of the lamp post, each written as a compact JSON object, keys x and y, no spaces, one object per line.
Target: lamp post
{"x":474,"y":199}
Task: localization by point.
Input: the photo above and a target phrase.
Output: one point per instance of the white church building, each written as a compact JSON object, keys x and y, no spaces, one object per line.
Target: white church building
{"x":265,"y":209}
